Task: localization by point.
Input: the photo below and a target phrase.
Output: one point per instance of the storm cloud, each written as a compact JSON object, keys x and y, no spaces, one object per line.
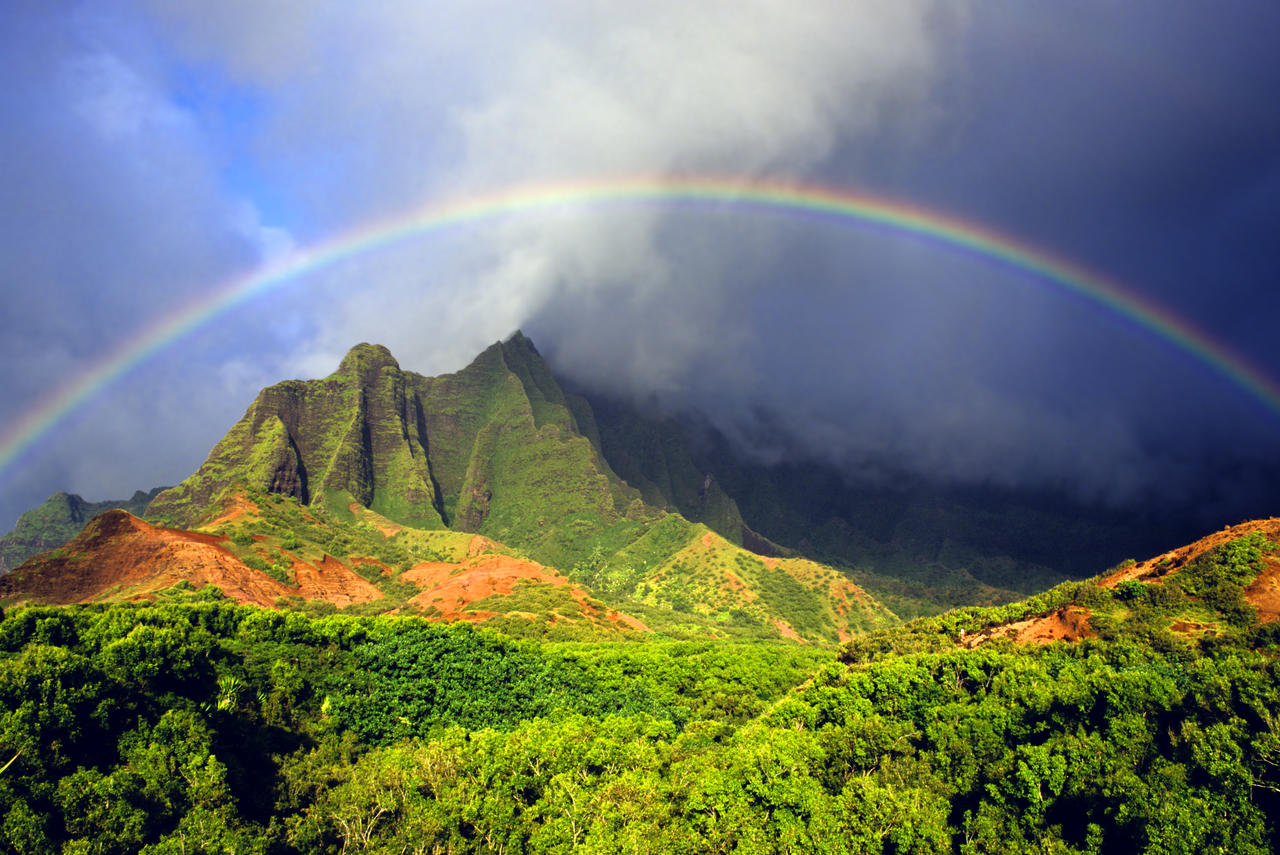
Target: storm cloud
{"x":163,"y":148}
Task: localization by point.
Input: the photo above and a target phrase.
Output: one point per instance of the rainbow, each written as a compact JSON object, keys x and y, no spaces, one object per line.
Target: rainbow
{"x":764,"y":196}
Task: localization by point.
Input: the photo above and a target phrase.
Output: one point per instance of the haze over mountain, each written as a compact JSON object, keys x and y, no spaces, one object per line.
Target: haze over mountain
{"x":156,"y":151}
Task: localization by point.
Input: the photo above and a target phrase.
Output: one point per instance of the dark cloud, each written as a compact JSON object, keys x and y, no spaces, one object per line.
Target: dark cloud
{"x":1138,"y":141}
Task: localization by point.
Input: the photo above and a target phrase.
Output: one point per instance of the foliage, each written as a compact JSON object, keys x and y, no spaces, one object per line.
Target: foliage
{"x":206,"y":726}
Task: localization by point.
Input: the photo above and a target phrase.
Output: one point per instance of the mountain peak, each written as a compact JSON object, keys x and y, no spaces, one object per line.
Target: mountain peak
{"x":365,"y":357}
{"x":519,"y":338}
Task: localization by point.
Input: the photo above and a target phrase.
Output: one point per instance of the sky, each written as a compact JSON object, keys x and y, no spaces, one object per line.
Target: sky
{"x":157,"y":151}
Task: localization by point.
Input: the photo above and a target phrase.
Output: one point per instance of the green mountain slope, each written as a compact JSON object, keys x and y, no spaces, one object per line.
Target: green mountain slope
{"x":653,"y":455}
{"x":492,"y":449}
{"x":920,"y":549}
{"x":58,"y":520}
{"x":499,"y":449}
{"x":352,"y":437}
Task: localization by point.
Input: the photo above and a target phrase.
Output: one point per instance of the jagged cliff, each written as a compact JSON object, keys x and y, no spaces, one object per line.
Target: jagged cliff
{"x":496,"y":448}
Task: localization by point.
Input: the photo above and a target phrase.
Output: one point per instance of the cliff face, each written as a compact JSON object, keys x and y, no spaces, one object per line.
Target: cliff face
{"x":354,"y":436}
{"x":494,"y":448}
{"x":653,"y":455}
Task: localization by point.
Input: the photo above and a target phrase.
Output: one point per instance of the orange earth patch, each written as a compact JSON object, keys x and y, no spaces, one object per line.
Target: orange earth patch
{"x":1070,"y":623}
{"x":120,"y":556}
{"x":451,"y":588}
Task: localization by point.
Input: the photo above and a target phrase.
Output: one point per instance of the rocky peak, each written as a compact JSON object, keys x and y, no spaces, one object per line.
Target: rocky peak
{"x":366,"y":361}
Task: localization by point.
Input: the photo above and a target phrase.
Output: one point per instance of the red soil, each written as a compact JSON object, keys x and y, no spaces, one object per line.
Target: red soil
{"x":450,"y":588}
{"x":627,"y":620}
{"x":1264,"y":592}
{"x":785,"y":629}
{"x":333,"y":581}
{"x":1070,"y":623}
{"x":118,"y":556}
{"x":733,"y":583}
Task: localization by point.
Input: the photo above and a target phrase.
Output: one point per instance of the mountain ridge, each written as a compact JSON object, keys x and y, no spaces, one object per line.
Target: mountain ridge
{"x":578,"y":481}
{"x":365,"y":474}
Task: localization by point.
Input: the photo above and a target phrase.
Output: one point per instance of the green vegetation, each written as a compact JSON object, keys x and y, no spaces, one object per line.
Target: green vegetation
{"x":692,"y":571}
{"x":494,"y":449}
{"x":202,"y":726}
{"x":195,"y":725}
{"x":207,"y":725}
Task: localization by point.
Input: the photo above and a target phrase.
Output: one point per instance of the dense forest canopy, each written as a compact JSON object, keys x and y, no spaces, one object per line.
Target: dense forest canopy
{"x":197,"y":725}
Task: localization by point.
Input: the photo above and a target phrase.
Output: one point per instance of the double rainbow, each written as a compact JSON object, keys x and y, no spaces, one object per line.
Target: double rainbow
{"x":763,"y":196}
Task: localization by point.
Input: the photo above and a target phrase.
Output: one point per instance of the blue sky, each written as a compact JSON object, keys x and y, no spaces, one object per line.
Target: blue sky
{"x":154,"y":151}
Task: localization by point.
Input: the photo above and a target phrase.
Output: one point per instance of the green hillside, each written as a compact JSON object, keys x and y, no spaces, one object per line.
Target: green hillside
{"x":204,"y":726}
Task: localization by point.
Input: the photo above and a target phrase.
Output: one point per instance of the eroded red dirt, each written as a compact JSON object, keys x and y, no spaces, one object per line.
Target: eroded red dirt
{"x":118,"y":556}
{"x":451,"y":588}
{"x":333,"y":581}
{"x":1264,"y":593}
{"x":1070,"y":623}
{"x":785,"y":630}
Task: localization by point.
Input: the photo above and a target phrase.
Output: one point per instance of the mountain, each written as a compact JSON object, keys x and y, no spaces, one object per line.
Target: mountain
{"x":381,"y":474}
{"x":494,"y":449}
{"x":610,"y":492}
{"x":58,"y":520}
